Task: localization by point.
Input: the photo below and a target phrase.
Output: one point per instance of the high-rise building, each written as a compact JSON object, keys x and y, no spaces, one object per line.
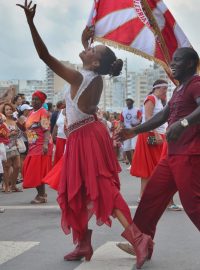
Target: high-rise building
{"x":135,"y":85}
{"x":131,"y":85}
{"x":140,"y":84}
{"x":28,"y":87}
{"x":112,"y":98}
{"x":5,"y":84}
{"x":141,"y":89}
{"x":55,"y":84}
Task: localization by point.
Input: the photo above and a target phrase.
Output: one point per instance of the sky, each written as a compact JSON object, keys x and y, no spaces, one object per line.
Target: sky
{"x":60,"y":24}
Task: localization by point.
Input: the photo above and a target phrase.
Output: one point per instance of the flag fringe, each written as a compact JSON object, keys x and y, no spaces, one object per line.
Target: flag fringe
{"x":133,"y":50}
{"x":139,"y":53}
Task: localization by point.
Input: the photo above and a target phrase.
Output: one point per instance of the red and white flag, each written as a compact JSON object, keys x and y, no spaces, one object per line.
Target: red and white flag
{"x":144,"y":27}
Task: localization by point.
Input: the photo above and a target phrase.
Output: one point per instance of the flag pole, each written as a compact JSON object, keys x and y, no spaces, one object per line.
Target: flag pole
{"x":94,"y":18}
{"x":159,"y":38}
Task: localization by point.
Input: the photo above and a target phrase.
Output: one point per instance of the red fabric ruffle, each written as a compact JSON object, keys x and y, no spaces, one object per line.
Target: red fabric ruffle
{"x":35,"y":168}
{"x":145,"y":157}
{"x":60,"y":147}
{"x":89,"y":180}
{"x":53,"y":177}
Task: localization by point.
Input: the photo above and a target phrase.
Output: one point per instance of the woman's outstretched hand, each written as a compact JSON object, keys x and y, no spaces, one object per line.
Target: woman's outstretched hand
{"x":29,"y":9}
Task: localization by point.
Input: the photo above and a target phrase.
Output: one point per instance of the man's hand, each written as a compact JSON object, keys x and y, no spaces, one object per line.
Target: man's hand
{"x":159,"y":139}
{"x":174,"y":131}
{"x":125,"y":134}
{"x":29,"y":9}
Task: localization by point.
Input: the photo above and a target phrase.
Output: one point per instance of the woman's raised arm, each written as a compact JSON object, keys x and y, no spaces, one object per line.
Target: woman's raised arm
{"x":70,"y":75}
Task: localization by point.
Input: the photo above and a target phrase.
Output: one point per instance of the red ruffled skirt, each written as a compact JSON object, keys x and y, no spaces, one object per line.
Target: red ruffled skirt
{"x":35,"y":168}
{"x":60,"y":147}
{"x":54,"y":176}
{"x":89,"y":181}
{"x":145,"y":157}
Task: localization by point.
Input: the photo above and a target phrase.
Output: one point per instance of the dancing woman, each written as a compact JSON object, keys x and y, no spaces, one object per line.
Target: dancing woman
{"x":89,"y":183}
{"x":147,"y":153}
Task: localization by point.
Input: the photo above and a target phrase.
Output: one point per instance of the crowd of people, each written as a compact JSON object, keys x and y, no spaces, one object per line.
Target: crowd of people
{"x":20,"y":138}
{"x":19,"y":134}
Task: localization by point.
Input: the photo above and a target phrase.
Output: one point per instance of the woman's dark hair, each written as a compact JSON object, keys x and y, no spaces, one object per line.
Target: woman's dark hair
{"x":7,"y":104}
{"x":109,"y":64}
{"x":60,"y":104}
{"x":16,"y":98}
{"x":157,"y":82}
{"x":50,"y":106}
{"x":106,"y":115}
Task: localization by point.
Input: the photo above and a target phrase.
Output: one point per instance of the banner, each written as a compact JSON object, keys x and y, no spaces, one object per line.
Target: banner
{"x":144,"y":27}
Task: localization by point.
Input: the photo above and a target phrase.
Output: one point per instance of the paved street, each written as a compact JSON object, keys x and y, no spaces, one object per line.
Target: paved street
{"x":31,"y":238}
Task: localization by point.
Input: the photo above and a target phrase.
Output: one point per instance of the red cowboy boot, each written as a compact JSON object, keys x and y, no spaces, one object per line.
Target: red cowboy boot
{"x":126,"y":247}
{"x":140,"y":242}
{"x":83,"y":249}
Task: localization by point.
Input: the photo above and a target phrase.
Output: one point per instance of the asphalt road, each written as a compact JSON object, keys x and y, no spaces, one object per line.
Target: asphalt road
{"x":31,"y":237}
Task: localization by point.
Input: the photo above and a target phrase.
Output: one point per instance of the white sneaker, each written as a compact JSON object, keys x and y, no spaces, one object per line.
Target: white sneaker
{"x":174,"y":207}
{"x":128,"y":168}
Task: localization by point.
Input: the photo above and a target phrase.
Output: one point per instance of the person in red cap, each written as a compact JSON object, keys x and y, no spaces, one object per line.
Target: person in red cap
{"x":89,"y":183}
{"x":38,"y":161}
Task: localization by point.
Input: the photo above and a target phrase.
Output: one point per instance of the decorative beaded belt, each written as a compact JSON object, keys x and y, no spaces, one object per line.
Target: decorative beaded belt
{"x":80,"y":124}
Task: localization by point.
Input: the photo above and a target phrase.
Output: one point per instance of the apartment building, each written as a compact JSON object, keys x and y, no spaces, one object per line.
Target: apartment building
{"x":129,"y":84}
{"x":113,"y":94}
{"x":28,"y":87}
{"x":55,"y":85}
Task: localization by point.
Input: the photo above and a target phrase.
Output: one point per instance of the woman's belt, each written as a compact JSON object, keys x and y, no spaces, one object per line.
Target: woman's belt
{"x":71,"y":128}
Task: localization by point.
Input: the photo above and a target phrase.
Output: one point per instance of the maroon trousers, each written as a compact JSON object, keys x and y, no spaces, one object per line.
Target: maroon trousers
{"x":174,"y":173}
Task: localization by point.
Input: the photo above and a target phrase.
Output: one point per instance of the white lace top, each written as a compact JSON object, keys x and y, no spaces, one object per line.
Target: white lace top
{"x":61,"y":122}
{"x":74,"y":114}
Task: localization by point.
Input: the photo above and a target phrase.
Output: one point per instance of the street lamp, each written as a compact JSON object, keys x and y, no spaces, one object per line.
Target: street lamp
{"x":126,"y":76}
